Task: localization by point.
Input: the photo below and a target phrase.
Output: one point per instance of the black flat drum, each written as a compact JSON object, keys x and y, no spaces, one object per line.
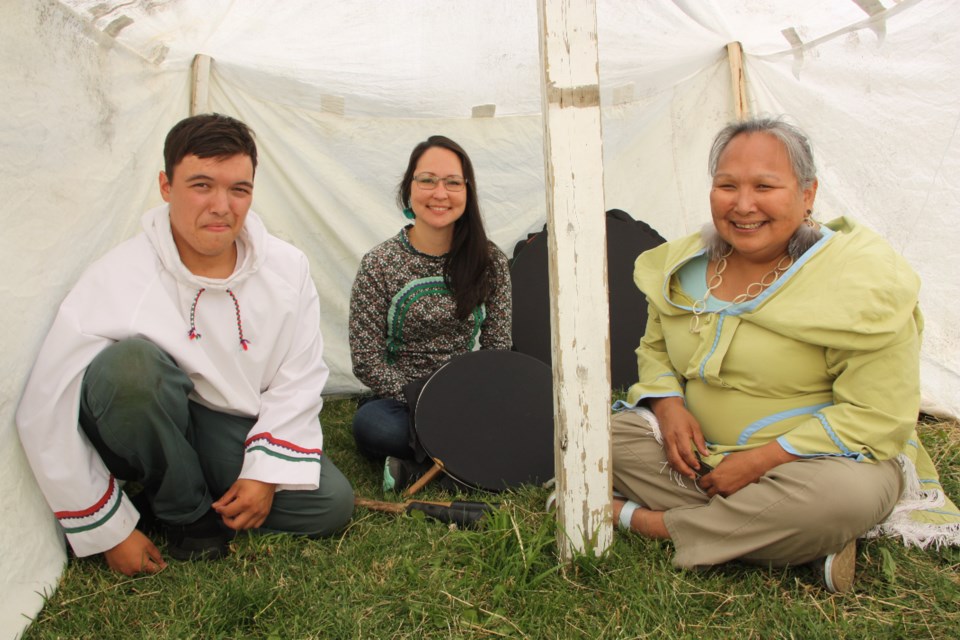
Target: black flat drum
{"x":487,"y":418}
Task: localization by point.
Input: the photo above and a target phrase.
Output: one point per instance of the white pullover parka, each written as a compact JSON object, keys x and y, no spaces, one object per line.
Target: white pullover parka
{"x":250,"y":343}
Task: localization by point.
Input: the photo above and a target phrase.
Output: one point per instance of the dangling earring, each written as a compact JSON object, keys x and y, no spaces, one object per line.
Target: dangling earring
{"x":409,"y":214}
{"x":806,"y":235}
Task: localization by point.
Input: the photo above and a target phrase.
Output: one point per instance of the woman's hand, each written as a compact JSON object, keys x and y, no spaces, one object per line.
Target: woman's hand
{"x":742,"y":468}
{"x":681,"y":434}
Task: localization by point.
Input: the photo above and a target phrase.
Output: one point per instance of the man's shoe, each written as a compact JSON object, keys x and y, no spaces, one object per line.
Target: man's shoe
{"x":204,"y":539}
{"x":839,"y":569}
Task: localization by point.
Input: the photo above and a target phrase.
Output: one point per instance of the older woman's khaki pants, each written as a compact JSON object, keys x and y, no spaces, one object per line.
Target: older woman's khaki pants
{"x":797,"y":512}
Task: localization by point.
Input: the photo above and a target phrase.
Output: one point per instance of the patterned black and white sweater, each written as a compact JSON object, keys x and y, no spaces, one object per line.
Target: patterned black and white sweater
{"x":402,"y":324}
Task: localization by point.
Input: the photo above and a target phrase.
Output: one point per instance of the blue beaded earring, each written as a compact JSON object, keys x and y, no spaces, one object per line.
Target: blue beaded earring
{"x":409,"y":214}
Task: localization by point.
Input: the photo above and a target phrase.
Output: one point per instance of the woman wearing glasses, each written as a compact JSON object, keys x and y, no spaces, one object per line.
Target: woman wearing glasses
{"x":437,"y":289}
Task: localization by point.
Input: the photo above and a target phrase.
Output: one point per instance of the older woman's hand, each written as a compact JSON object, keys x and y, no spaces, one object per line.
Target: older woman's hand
{"x":742,"y":468}
{"x":681,"y":434}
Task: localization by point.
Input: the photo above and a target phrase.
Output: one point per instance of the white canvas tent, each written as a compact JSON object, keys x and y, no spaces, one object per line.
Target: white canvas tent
{"x":340,"y":92}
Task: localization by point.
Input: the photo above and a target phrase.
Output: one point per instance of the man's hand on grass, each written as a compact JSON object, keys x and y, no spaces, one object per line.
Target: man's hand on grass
{"x":135,"y":555}
{"x":246,"y":504}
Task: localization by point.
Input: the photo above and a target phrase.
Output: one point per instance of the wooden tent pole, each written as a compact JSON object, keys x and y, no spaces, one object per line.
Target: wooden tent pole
{"x":739,"y":83}
{"x":200,"y":88}
{"x":579,"y":307}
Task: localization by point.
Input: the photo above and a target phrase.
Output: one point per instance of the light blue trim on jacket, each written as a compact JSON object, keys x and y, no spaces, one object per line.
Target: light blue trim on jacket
{"x":713,"y":347}
{"x":750,"y":305}
{"x":751,"y":429}
{"x":844,"y":450}
{"x":623,"y":405}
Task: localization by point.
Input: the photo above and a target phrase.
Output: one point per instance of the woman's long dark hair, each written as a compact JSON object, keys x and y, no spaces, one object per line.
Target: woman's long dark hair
{"x":467,"y":268}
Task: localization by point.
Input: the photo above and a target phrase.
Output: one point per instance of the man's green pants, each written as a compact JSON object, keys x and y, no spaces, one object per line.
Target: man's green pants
{"x":135,"y":410}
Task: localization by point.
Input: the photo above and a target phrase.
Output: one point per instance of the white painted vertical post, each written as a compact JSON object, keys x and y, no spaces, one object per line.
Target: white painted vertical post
{"x":200,"y":93}
{"x":579,"y":302}
{"x":738,"y":81}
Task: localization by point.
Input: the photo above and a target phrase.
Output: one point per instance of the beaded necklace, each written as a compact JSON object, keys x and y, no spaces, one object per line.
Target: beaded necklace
{"x":753,"y":290}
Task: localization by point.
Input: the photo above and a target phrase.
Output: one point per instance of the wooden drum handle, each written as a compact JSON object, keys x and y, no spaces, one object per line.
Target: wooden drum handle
{"x":425,"y":479}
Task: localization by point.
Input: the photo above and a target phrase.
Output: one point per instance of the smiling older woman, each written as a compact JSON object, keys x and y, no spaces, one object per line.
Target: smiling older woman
{"x":779,"y":373}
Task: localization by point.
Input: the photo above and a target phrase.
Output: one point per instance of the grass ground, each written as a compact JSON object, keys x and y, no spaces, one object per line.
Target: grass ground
{"x":407,"y":577}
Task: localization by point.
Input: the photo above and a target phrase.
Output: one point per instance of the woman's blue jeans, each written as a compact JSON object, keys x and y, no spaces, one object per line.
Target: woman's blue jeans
{"x":381,"y":427}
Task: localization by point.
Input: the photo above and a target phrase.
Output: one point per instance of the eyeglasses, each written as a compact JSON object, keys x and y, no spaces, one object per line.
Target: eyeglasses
{"x":429,"y":182}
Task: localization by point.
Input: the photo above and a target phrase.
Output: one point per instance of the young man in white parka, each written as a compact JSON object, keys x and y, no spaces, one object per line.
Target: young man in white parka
{"x":189,"y":360}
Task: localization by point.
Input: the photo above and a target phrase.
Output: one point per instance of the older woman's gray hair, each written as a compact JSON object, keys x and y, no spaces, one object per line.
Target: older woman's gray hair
{"x":801,"y":161}
{"x":797,"y":144}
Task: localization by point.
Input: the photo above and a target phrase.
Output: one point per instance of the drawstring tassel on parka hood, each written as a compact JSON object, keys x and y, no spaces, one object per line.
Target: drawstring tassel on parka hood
{"x":250,"y":244}
{"x":196,"y":335}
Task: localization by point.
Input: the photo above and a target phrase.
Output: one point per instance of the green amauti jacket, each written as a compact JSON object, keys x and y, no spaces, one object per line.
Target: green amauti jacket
{"x":825,"y":362}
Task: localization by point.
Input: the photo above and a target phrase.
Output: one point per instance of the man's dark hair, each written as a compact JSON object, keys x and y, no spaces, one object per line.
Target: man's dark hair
{"x":211,"y":135}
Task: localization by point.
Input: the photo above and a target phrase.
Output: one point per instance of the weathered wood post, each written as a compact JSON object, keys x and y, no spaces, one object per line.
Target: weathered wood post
{"x":200,"y":87}
{"x":737,"y":81}
{"x":579,"y":307}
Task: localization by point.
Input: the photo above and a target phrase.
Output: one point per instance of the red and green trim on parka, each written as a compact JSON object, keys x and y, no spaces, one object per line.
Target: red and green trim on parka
{"x":281,"y":449}
{"x":95,"y":515}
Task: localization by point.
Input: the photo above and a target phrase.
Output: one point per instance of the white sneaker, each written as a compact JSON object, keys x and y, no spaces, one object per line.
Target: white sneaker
{"x":839,"y":569}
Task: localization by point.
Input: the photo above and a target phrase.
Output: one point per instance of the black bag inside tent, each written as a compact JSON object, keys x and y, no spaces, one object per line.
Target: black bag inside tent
{"x":626,"y":239}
